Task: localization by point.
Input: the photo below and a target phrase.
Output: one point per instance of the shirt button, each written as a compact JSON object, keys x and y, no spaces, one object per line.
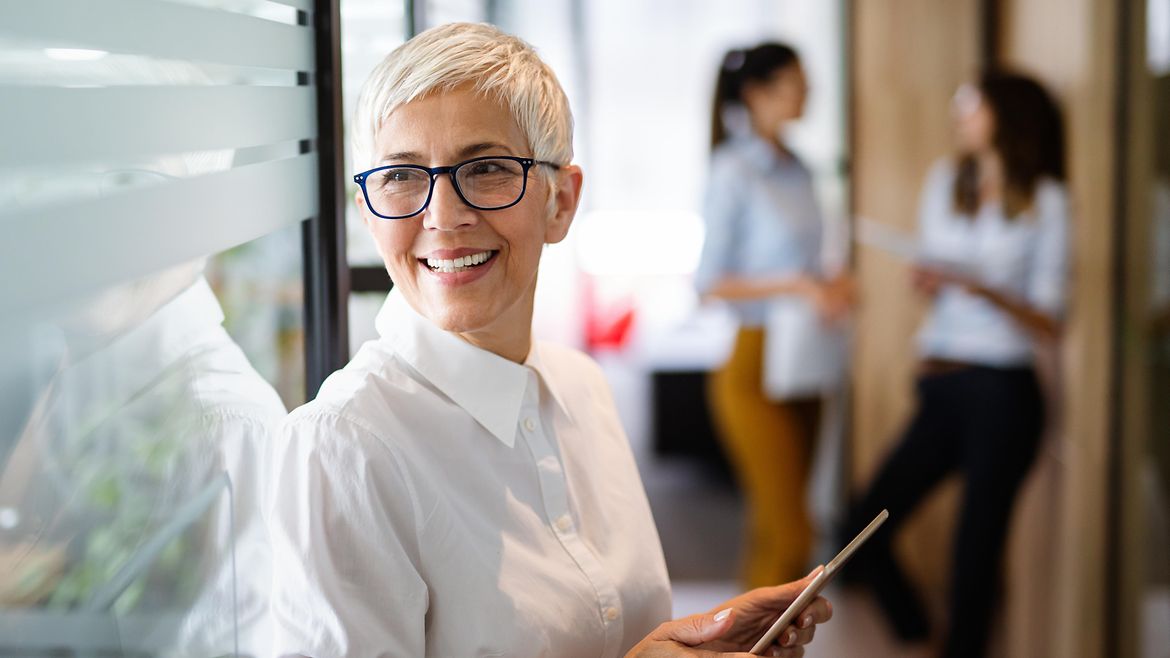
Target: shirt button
{"x":611,"y":613}
{"x":530,"y":424}
{"x":564,"y":523}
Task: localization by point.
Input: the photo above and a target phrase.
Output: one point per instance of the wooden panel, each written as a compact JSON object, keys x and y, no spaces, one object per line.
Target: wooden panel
{"x":908,"y":58}
{"x":1071,"y":46}
{"x":903,"y":78}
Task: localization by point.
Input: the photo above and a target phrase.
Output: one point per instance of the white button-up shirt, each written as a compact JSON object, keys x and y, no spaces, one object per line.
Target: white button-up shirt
{"x":437,"y":499}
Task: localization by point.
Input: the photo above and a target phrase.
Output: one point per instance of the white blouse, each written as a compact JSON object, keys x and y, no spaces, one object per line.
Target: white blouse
{"x":437,"y":499}
{"x":1026,"y":258}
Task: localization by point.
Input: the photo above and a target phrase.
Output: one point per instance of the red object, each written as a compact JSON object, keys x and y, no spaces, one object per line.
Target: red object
{"x":606,"y":328}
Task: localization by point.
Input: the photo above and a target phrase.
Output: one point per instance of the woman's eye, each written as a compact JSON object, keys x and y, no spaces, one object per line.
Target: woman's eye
{"x":481,"y":168}
{"x":401,"y":176}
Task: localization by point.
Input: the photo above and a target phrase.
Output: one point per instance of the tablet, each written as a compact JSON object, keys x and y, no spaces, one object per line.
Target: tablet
{"x":810,"y":593}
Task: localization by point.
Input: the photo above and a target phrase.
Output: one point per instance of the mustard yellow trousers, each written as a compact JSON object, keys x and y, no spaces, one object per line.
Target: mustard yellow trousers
{"x":770,"y":447}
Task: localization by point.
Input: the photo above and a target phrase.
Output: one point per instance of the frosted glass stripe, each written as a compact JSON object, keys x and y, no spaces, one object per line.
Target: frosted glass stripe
{"x":55,"y":253}
{"x":303,"y":5}
{"x":161,"y":29}
{"x":43,"y":631}
{"x":47,"y":125}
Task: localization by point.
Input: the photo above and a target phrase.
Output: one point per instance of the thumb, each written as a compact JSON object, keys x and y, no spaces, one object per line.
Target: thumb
{"x":696,"y":629}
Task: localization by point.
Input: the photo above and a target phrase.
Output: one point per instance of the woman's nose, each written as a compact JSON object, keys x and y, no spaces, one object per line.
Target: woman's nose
{"x":446,"y":211}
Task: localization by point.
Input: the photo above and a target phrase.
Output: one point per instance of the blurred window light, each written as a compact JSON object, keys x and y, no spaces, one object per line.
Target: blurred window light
{"x":272,"y":10}
{"x":1158,"y":36}
{"x":358,"y":10}
{"x":639,"y":242}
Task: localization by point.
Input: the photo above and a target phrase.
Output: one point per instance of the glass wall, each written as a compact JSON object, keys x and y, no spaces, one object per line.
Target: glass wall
{"x":153,"y":179}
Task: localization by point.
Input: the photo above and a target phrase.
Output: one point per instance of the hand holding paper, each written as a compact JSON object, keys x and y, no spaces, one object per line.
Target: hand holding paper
{"x":908,"y":248}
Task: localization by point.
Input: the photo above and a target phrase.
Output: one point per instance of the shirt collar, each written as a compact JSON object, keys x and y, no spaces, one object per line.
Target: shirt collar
{"x":485,"y":385}
{"x":104,"y":383}
{"x":129,"y":363}
{"x":757,"y":149}
{"x":539,"y":364}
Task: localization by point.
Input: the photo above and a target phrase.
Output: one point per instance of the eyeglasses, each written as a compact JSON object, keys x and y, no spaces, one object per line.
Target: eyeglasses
{"x":487,"y":183}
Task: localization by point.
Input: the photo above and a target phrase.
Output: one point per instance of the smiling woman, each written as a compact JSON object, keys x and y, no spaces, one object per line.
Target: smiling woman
{"x":457,"y":489}
{"x":489,"y":305}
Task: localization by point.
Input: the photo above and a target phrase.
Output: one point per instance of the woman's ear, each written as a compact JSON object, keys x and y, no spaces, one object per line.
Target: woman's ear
{"x":370,"y":221}
{"x":360,"y":201}
{"x":568,"y":196}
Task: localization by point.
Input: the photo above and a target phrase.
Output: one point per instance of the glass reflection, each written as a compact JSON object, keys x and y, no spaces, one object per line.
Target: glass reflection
{"x":132,"y":477}
{"x":131,"y":423}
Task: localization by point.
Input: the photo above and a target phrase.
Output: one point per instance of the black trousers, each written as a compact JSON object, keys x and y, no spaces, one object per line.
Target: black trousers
{"x":984,"y":423}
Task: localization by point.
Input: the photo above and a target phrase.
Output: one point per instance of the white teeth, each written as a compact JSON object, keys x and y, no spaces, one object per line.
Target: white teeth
{"x":458,"y":264}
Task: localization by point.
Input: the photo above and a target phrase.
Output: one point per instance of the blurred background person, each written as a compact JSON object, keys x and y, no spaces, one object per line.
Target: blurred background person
{"x":764,"y":240}
{"x":994,"y":226}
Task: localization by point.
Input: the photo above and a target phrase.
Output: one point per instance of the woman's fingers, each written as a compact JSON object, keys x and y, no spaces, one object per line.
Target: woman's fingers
{"x":804,"y":630}
{"x":695,"y":629}
{"x":805,"y":635}
{"x":817,"y":612}
{"x":795,"y":637}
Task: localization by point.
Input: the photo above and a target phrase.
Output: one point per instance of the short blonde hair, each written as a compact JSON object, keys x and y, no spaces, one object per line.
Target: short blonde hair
{"x":499,"y":65}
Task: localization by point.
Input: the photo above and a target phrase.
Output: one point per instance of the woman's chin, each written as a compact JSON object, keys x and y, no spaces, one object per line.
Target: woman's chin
{"x":460,"y":317}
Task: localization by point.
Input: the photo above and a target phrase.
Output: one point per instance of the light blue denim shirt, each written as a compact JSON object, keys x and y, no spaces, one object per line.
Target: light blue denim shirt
{"x":762,"y":219}
{"x":1026,"y":258}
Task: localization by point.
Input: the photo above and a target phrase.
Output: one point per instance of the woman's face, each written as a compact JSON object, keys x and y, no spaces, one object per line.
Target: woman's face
{"x":489,"y":304}
{"x":974,"y":120}
{"x":778,"y":99}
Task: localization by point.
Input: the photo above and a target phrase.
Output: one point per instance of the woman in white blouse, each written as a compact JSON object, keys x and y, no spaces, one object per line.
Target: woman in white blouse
{"x":994,"y":228}
{"x":458,"y":490}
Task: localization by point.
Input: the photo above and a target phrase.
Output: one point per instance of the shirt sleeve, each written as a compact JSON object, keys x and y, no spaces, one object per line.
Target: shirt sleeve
{"x":723,"y":205}
{"x":817,"y":244}
{"x":1048,"y":280}
{"x":932,"y":210}
{"x":342,"y":520}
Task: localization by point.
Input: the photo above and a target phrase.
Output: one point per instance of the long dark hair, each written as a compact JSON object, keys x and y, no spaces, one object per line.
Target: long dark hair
{"x":739,"y":68}
{"x":1028,"y":135}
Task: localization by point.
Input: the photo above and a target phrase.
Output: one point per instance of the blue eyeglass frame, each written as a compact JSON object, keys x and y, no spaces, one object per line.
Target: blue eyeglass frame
{"x":434,"y":172}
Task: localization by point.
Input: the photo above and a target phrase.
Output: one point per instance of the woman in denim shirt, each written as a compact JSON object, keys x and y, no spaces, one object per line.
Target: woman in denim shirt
{"x":763,"y":240}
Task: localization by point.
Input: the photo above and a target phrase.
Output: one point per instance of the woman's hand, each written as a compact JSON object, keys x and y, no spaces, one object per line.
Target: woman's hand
{"x":925,"y":281}
{"x":928,"y":281}
{"x":683,"y":637}
{"x":1036,"y":322}
{"x":756,"y":610}
{"x":738,"y":624}
{"x":834,"y":298}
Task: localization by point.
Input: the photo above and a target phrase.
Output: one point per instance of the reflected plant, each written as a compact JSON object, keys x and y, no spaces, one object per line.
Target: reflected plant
{"x":125,"y":468}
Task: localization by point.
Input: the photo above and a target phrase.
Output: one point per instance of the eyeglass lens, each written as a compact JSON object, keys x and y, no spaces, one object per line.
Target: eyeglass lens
{"x":485,"y":184}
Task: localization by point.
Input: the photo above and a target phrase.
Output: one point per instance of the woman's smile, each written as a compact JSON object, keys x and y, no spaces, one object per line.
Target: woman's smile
{"x":455,"y":267}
